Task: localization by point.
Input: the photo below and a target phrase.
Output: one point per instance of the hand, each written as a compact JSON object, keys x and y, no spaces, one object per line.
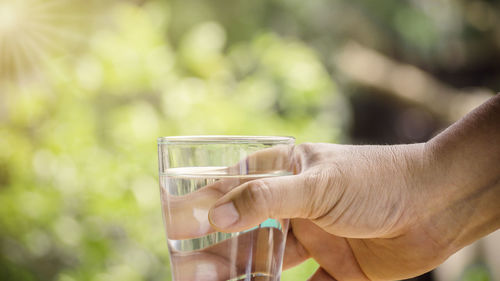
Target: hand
{"x":349,"y":219}
{"x":378,"y":212}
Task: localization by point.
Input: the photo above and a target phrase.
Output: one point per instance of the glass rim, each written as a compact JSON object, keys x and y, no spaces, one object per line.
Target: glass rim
{"x":220,"y":139}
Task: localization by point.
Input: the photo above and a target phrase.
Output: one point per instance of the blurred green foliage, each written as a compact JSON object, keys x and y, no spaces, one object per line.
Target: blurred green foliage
{"x":79,"y":120}
{"x":476,"y":272}
{"x":78,"y":173}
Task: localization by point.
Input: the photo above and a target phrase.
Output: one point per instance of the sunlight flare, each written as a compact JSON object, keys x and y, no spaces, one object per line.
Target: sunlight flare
{"x":34,"y":31}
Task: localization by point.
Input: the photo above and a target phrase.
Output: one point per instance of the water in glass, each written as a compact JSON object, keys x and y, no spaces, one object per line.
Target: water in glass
{"x":200,"y":253}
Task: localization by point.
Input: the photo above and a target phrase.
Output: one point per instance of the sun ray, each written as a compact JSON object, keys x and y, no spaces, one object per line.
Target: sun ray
{"x":58,"y":33}
{"x":33,"y":56}
{"x":47,"y":42}
{"x":26,"y":57}
{"x":68,"y":14}
{"x":3,"y":58}
{"x":2,"y":70}
{"x":69,"y":18}
{"x":51,"y":4}
{"x":7,"y":59}
{"x":17,"y":63}
{"x":14,"y":62}
{"x":35,"y":53}
{"x":32,"y":32}
{"x":32,"y":52}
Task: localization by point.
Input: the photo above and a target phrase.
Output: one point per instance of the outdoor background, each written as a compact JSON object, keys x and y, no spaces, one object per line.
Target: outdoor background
{"x":86,"y":87}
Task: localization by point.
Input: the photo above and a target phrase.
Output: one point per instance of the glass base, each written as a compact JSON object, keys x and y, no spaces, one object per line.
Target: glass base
{"x":254,"y":276}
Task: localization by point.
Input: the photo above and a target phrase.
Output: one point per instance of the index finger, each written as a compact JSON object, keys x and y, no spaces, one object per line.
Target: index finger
{"x":272,"y":160}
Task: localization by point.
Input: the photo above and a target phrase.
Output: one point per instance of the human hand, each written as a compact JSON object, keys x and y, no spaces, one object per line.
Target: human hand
{"x":378,"y":212}
{"x":350,"y":218}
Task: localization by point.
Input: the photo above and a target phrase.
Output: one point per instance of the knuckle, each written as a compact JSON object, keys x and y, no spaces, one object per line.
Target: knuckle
{"x":259,"y":196}
{"x":304,"y":148}
{"x":323,"y":185}
{"x":302,"y":155}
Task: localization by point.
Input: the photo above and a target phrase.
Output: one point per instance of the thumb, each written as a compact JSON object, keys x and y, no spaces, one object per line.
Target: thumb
{"x":253,"y":202}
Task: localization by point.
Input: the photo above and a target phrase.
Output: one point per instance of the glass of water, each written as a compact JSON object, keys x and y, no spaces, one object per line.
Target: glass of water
{"x":195,"y":171}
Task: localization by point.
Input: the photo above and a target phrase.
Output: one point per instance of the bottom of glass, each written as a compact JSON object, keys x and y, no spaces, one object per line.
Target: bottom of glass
{"x":254,"y":276}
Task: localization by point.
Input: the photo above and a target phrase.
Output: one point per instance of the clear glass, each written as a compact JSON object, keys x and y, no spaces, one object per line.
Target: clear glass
{"x":195,"y":171}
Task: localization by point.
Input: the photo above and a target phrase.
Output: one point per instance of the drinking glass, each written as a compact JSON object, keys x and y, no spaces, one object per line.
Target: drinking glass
{"x":195,"y":171}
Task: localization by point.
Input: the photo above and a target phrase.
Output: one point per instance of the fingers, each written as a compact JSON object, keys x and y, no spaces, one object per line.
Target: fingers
{"x":321,"y":275}
{"x":253,"y":202}
{"x":266,"y":161}
{"x":308,"y":195}
{"x":333,"y":253}
{"x":187,"y":216}
{"x":295,"y":253}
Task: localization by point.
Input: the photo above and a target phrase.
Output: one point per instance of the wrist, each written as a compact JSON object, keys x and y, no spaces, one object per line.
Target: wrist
{"x":460,"y":202}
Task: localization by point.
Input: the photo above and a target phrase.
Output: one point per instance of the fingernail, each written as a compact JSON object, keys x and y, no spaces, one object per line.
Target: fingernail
{"x":224,"y":215}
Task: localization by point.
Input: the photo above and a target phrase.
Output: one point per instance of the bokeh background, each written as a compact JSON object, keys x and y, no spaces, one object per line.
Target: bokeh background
{"x":86,"y":87}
